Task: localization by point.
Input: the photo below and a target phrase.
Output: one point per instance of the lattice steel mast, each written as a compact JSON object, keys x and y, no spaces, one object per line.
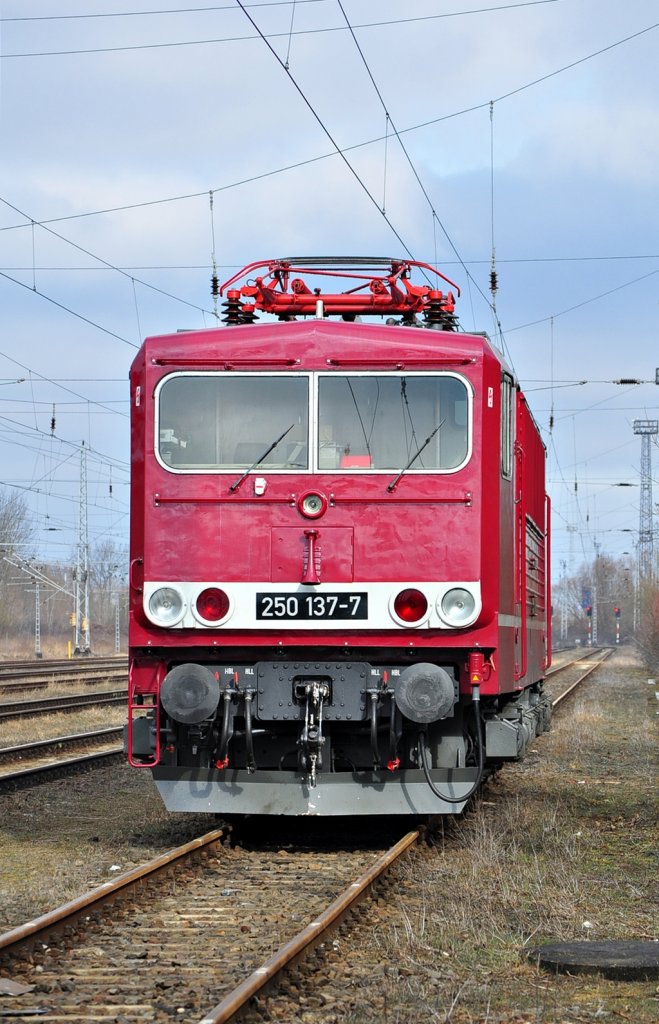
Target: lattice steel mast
{"x":646,"y":429}
{"x":82,"y":643}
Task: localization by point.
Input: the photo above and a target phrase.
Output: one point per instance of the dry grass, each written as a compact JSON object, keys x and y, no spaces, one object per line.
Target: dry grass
{"x":63,"y":838}
{"x":56,"y":688}
{"x":561,"y":849}
{"x":45,"y":727}
{"x":21,"y":648}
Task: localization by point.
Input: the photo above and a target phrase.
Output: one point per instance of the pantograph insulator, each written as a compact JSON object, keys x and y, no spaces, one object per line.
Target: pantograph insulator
{"x":232,"y":309}
{"x":436,"y":313}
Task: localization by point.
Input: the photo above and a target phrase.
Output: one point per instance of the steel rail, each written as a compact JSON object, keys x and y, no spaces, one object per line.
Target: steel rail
{"x":39,"y":667}
{"x":605,"y":654}
{"x":306,"y":940}
{"x":58,"y":919}
{"x":34,"y":746}
{"x":52,"y":705}
{"x":90,"y":678}
{"x":51,"y":767}
{"x":570,"y":664}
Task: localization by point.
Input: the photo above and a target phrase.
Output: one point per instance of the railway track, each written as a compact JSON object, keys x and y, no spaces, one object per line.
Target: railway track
{"x":583,"y":655}
{"x":18,"y":677}
{"x":574,"y":672}
{"x":203,"y":947}
{"x":184,"y":955}
{"x":41,"y":759}
{"x":50,"y":705}
{"x":38,"y":665}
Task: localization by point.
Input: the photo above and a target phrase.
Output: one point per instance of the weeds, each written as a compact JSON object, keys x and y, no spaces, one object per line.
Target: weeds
{"x":560,"y":849}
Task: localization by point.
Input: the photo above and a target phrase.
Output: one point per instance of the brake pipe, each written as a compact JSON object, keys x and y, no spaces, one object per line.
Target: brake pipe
{"x":423,"y":754}
{"x":222,"y":759}
{"x":249,"y":738}
{"x":373,"y":694}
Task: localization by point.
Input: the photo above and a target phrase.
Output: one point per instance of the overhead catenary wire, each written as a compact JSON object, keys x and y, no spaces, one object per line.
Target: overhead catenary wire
{"x":64,"y":268}
{"x":594,"y":405}
{"x":60,"y":382}
{"x":111,"y":267}
{"x":494,"y":286}
{"x":34,"y":260}
{"x":137,"y":312}
{"x":106,"y":263}
{"x":325,"y":156}
{"x":215,"y":283}
{"x":384,"y":164}
{"x":229,"y":7}
{"x":586,"y":302}
{"x":270,"y":35}
{"x":325,"y":129}
{"x":390,"y":122}
{"x":67,"y":309}
{"x":290,"y":37}
{"x":551,"y":372}
{"x":493,"y":263}
{"x":95,"y":15}
{"x":37,"y":432}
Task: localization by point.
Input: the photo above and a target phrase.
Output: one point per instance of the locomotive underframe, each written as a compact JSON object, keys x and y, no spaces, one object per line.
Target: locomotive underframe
{"x":288,"y":793}
{"x":309,"y":735}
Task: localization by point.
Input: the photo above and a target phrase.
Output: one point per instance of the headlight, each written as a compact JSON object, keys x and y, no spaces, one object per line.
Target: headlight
{"x":312,"y":505}
{"x":166,"y":606}
{"x":458,"y":607}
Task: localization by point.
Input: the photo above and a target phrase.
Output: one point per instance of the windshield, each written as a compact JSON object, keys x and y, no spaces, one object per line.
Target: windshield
{"x":216,"y":422}
{"x":225,"y":422}
{"x":379,"y":422}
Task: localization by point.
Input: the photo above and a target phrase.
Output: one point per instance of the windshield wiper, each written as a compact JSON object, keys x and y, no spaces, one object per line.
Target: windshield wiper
{"x":405,"y":468}
{"x":260,"y":459}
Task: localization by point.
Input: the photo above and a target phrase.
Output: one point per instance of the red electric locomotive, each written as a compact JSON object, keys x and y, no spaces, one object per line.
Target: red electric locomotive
{"x":339,"y":574}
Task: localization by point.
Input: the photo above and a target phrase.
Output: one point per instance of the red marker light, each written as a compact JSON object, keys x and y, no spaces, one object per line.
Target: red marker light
{"x":212,"y":604}
{"x":410,"y":605}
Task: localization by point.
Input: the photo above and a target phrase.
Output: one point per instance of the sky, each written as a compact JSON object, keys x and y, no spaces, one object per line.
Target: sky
{"x":145,"y":142}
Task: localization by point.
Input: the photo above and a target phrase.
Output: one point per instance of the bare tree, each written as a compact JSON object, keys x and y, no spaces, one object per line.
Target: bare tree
{"x":647,"y":634}
{"x":15,"y":536}
{"x":108,"y":574}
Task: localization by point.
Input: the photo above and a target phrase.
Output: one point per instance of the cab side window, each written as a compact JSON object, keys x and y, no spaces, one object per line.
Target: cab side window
{"x":507,"y":425}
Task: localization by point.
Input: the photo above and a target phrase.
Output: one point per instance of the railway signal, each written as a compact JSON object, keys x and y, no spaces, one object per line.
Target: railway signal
{"x":616,"y":613}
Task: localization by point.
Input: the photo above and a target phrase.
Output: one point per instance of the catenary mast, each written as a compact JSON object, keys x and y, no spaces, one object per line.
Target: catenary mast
{"x":82,"y":627}
{"x":646,"y":429}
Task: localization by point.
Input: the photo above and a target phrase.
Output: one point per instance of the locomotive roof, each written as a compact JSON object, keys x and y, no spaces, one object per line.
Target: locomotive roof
{"x":409,"y":324}
{"x":320,"y":344}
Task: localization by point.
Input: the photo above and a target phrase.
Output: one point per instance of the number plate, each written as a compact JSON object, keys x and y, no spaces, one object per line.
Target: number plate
{"x":308,"y":607}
